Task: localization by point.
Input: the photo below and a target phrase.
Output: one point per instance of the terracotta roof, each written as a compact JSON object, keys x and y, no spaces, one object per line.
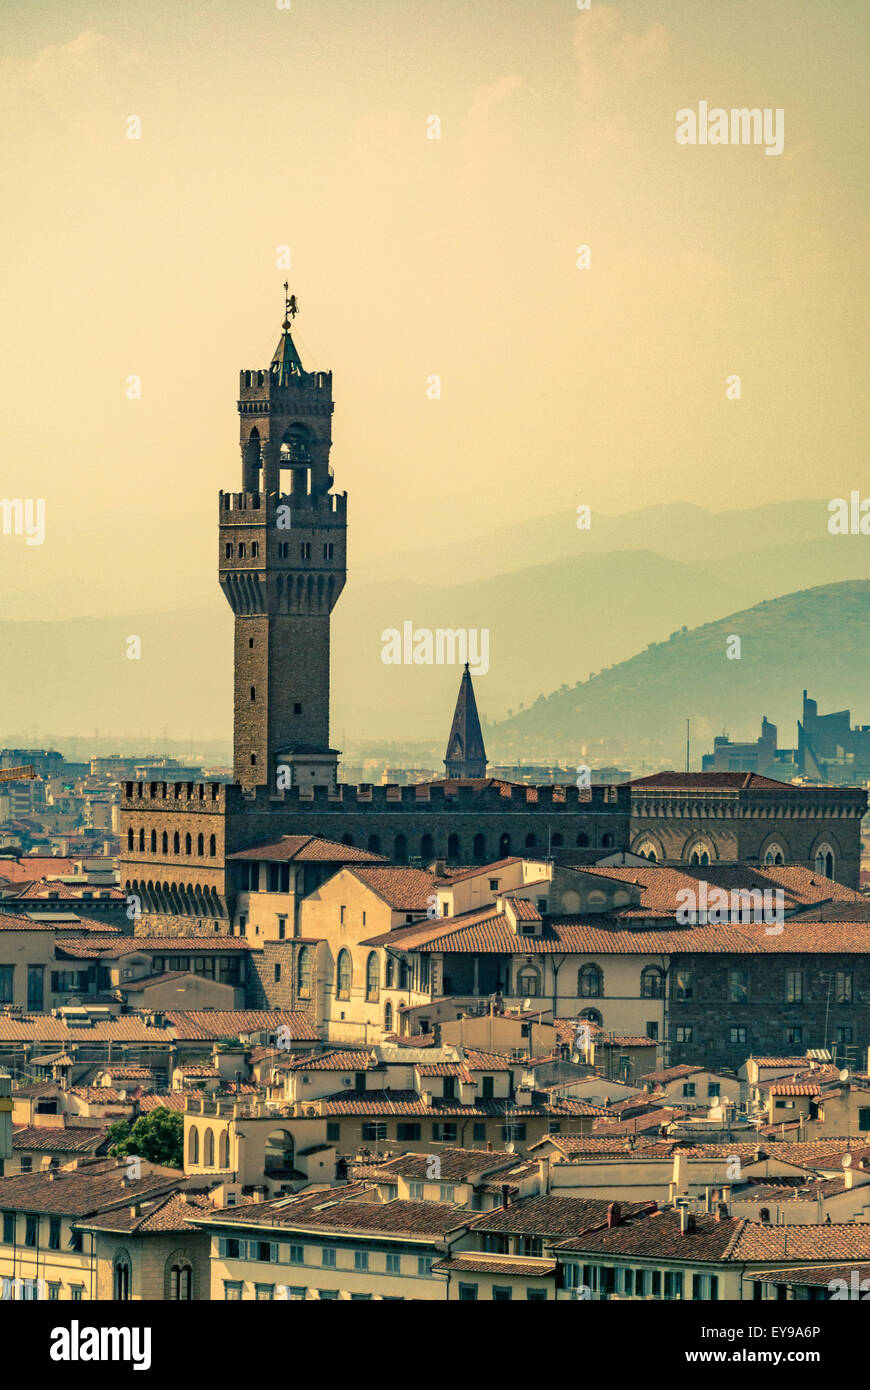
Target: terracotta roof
{"x":194,"y":1069}
{"x":481,"y":870}
{"x":758,"y":1241}
{"x":799,"y":1062}
{"x":206,"y":1024}
{"x":456,"y":1165}
{"x":476,"y":1263}
{"x":782,"y":1088}
{"x":813,"y":1274}
{"x":159,"y":945}
{"x":83,"y":1191}
{"x":168,"y":1100}
{"x":42,"y":888}
{"x":489,"y":932}
{"x":658,"y":1235}
{"x":580,"y":1145}
{"x":163,"y":1215}
{"x":654,"y":1119}
{"x":433,"y":1219}
{"x":403,"y":889}
{"x":703,"y":781}
{"x":660,"y":884}
{"x":60,"y":1140}
{"x":672,"y":1073}
{"x":45,"y":1028}
{"x":100,"y":1095}
{"x":31,"y":866}
{"x":308,"y":849}
{"x":476,"y":1060}
{"x":409,"y":1103}
{"x":335,"y":1061}
{"x":550,"y":1216}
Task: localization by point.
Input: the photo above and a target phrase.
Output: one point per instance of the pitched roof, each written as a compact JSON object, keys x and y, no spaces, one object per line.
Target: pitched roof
{"x":401,"y":888}
{"x":309,"y":849}
{"x":205,"y":1024}
{"x":760,"y":1241}
{"x":165,"y":1214}
{"x":551,"y":1216}
{"x":58,"y":1140}
{"x":83,"y":1191}
{"x":708,"y":781}
{"x":658,"y":1234}
{"x":455,"y":1165}
{"x":322,"y":1212}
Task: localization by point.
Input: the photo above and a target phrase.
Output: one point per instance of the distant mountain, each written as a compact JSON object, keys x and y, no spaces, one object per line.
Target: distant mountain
{"x":815,"y":639}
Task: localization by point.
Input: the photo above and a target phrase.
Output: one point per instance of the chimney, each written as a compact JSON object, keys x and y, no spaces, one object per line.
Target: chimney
{"x":721,"y":1211}
{"x":614,"y":1214}
{"x":544,"y":1176}
{"x":489,"y":1146}
{"x":505,"y":1197}
{"x":848,"y":1178}
{"x":707,"y":1200}
{"x":687,"y":1222}
{"x":135,"y":1210}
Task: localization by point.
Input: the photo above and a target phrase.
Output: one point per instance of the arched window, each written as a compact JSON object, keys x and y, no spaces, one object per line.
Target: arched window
{"x":591,"y":1016}
{"x":224,"y":1149}
{"x":188,"y":844}
{"x":528,"y":981}
{"x":590,"y":982}
{"x":557,"y":842}
{"x":426,"y":848}
{"x":389,"y":971}
{"x":343,"y":975}
{"x":279,"y":1154}
{"x":121,"y":1279}
{"x":504,"y":845}
{"x":453,"y":846}
{"x":176,"y":843}
{"x":347,"y":840}
{"x":303,"y":974}
{"x":764,"y":1216}
{"x":607,"y":841}
{"x":652,"y":982}
{"x":825,"y":861}
{"x":647,"y":850}
{"x":208,"y":1149}
{"x":403,"y":975}
{"x":374,"y":844}
{"x":480,"y":848}
{"x":373,"y":977}
{"x":141,"y":841}
{"x":212,"y":846}
{"x":178,"y":1283}
{"x":388,"y":1017}
{"x":531,"y":841}
{"x":200,"y":845}
{"x":193,"y":1146}
{"x":165,"y":843}
{"x":701,"y":853}
{"x":153,"y":841}
{"x":400,"y":849}
{"x":130,"y":838}
{"x":582,"y":840}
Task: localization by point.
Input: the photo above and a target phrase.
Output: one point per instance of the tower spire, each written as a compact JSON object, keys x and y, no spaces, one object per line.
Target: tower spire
{"x":287,"y":362}
{"x":466,"y":755}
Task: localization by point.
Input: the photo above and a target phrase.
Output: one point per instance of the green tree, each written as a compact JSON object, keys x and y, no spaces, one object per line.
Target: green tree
{"x":157,"y":1137}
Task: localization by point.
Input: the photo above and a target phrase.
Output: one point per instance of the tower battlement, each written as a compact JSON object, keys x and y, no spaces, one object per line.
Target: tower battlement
{"x":260,"y":508}
{"x":268,"y":384}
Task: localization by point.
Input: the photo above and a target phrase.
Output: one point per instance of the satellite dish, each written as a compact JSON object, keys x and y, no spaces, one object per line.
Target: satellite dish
{"x":844,"y":1074}
{"x":847,"y":1160}
{"x":527,"y":1004}
{"x":510,"y":1147}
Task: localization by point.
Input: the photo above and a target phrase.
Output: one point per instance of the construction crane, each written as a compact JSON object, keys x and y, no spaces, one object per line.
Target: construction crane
{"x":17,"y":774}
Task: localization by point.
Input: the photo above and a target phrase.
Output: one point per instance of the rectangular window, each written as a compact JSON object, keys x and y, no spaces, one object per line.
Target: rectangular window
{"x":233,"y":1291}
{"x":673,"y":1283}
{"x":231,"y":1248}
{"x":424,"y":1265}
{"x":333,"y":1131}
{"x":683,"y":1033}
{"x":35,"y":976}
{"x":447,"y":1191}
{"x":501,"y":1293}
{"x":7,"y":973}
{"x":467,"y":1293}
{"x":282,"y":928}
{"x":394,"y":1264}
{"x":843,"y":987}
{"x":449,"y":1091}
{"x":487,"y":1087}
{"x":407,"y":1131}
{"x":684,"y":984}
{"x":327,"y":1258}
{"x":444,"y":1132}
{"x":373,"y":1131}
{"x":515,"y":1131}
{"x":737,"y":1035}
{"x":297,"y":1254}
{"x":738,"y":986}
{"x":76,"y":1241}
{"x":479,"y":1134}
{"x":263,"y":1292}
{"x":536,"y":1295}
{"x":794,"y":1034}
{"x":689,"y":1089}
{"x":415,"y":1191}
{"x":844,"y":1035}
{"x":54,"y":1233}
{"x":9,"y":1228}
{"x":794,"y":986}
{"x":361,"y":1260}
{"x":54,"y":1293}
{"x":714,"y":1089}
{"x":864,"y":1118}
{"x":31,"y":1229}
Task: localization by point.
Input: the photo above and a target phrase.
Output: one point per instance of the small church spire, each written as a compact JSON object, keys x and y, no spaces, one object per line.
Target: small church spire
{"x":466,"y":755}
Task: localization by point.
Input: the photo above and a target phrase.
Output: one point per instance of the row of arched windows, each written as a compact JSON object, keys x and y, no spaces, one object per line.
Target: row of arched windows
{"x":396,"y":975}
{"x":177,"y":899}
{"x":176,"y":843}
{"x":208,"y":1148}
{"x":480,"y":851}
{"x":177,"y":1277}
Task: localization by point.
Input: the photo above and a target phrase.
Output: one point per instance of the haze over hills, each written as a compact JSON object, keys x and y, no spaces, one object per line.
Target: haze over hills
{"x":598,"y":598}
{"x":814,"y":639}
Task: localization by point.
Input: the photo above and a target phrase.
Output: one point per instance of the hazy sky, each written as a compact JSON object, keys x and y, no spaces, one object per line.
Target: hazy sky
{"x":410,"y":257}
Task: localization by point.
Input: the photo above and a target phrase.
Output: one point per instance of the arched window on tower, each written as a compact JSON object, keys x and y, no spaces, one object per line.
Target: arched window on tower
{"x":212,"y":846}
{"x":453,"y":847}
{"x":153,"y":841}
{"x":303,"y":974}
{"x":176,"y":843}
{"x":343,"y":975}
{"x":200,"y":844}
{"x":373,"y":977}
{"x":130,"y":839}
{"x":165,"y":842}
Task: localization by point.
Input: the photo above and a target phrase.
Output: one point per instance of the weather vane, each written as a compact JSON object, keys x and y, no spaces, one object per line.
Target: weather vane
{"x":291,"y":308}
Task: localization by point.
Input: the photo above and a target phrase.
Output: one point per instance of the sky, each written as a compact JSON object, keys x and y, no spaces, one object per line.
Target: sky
{"x":414,"y":257}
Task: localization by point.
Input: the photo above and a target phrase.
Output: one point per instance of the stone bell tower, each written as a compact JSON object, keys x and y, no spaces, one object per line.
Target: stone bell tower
{"x":282,"y":566}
